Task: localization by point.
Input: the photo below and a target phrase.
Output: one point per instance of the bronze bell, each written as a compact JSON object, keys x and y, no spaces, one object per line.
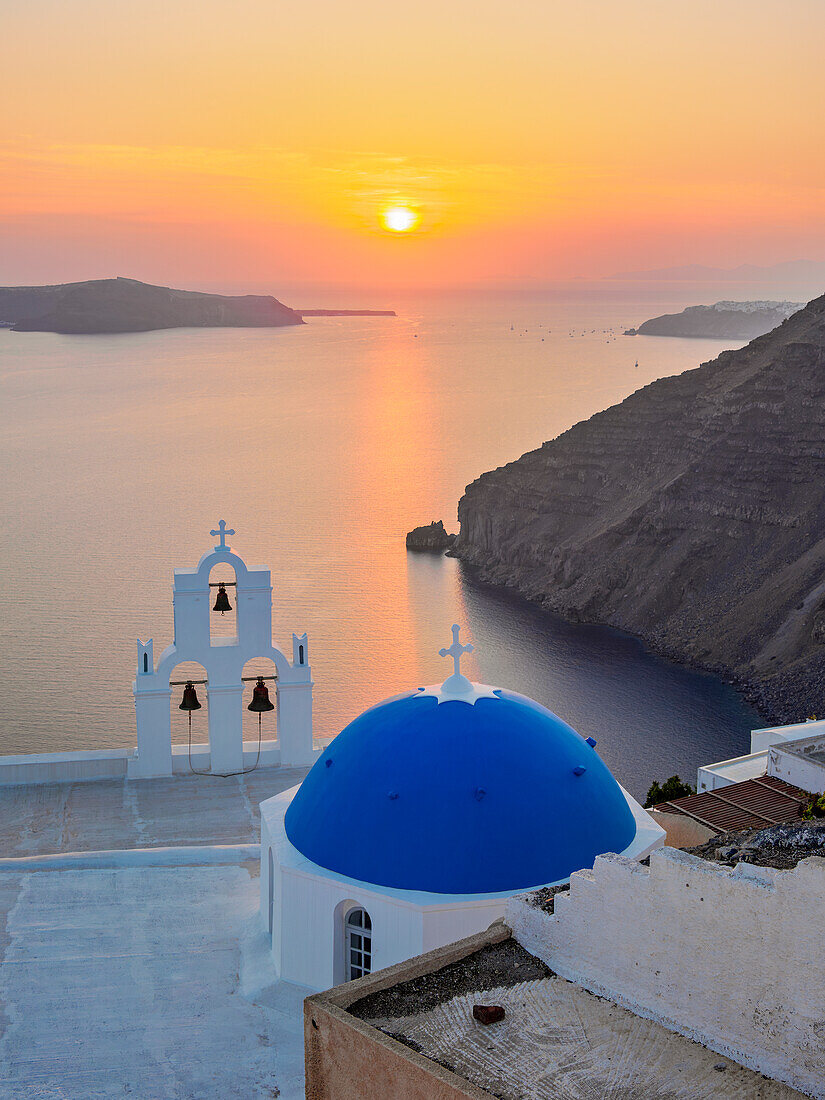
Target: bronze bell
{"x":260,"y":698}
{"x":190,"y":698}
{"x":222,"y":601}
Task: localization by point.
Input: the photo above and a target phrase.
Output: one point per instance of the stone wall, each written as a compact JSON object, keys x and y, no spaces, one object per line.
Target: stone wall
{"x":729,"y":957}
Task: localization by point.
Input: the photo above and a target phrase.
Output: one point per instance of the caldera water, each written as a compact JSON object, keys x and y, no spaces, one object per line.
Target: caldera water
{"x":321,"y":445}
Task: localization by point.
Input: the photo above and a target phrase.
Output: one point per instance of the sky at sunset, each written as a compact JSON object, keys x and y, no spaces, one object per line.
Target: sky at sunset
{"x":262,"y":143}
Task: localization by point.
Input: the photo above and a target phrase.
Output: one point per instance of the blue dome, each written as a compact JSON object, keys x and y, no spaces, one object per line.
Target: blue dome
{"x":459,"y":798}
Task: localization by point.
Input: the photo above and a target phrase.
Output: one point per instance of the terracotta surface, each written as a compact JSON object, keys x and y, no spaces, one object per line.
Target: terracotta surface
{"x":347,"y":1058}
{"x":681,"y":831}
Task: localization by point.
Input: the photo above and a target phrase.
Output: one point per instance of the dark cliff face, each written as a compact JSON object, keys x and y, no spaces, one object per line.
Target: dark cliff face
{"x":433,"y":536}
{"x":692,"y":514}
{"x":126,"y":305}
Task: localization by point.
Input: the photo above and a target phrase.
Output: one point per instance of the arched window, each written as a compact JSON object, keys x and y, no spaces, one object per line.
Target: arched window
{"x":145,"y":662}
{"x":300,"y":654}
{"x":358,"y":943}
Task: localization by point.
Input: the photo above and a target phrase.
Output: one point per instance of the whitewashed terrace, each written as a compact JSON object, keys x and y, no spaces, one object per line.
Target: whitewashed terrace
{"x":144,"y":981}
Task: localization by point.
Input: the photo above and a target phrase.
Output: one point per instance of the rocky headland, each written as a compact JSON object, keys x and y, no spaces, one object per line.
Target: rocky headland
{"x":721,"y":321}
{"x":433,"y":537}
{"x":692,"y":515}
{"x":127,"y":305}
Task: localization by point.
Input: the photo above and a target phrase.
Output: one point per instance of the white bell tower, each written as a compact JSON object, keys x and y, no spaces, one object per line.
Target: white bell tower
{"x":224,"y":660}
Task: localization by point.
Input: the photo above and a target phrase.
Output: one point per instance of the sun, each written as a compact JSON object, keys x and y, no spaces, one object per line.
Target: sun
{"x":399,"y":219}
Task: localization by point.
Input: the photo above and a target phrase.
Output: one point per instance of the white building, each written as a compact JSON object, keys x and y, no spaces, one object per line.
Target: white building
{"x":222,"y":660}
{"x":423,"y":817}
{"x":723,"y":773}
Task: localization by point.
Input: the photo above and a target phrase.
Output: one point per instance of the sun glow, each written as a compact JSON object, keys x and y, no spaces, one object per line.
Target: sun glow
{"x":399,"y":219}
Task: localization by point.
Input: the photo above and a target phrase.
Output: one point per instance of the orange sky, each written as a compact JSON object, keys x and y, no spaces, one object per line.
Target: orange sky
{"x":251,"y":142}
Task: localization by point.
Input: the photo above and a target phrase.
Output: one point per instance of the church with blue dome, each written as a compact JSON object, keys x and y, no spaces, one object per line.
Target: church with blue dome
{"x":422,"y":817}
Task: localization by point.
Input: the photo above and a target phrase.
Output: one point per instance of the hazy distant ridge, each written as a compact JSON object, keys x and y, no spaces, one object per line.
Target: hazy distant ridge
{"x":127,"y":305}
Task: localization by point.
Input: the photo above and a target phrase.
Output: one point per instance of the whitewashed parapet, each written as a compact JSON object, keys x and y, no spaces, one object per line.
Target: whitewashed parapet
{"x":732,"y":958}
{"x":800,"y":763}
{"x":63,"y":767}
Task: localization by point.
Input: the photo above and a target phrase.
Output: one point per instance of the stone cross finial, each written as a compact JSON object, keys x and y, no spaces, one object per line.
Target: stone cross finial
{"x":456,"y":684}
{"x":456,"y":650}
{"x":222,"y":532}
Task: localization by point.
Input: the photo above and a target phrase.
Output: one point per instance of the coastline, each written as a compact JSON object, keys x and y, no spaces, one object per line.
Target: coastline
{"x":751,"y":692}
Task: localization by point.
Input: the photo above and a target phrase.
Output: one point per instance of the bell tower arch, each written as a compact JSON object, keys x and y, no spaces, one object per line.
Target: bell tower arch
{"x":223,"y":658}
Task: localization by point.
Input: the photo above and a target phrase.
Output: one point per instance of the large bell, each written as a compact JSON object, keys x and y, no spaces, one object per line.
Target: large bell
{"x":190,"y":698}
{"x":222,"y":600}
{"x":260,"y":698}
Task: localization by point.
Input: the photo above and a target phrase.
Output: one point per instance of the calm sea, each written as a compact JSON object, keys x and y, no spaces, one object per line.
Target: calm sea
{"x":321,"y":445}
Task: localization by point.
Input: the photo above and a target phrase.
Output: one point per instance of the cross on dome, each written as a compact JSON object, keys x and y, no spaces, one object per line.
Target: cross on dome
{"x":456,"y":684}
{"x":222,"y":532}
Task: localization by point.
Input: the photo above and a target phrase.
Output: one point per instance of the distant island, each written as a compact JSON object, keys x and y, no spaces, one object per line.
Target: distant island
{"x":722,"y":321}
{"x":127,"y":305}
{"x":346,"y":312}
{"x":691,"y":514}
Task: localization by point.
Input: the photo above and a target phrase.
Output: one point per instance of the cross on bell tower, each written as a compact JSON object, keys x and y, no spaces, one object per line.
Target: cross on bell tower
{"x":222,"y":532}
{"x":456,"y":684}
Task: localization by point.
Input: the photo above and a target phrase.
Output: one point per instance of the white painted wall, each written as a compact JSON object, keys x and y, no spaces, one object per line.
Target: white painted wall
{"x":63,"y":767}
{"x":794,"y":762}
{"x":775,"y":735}
{"x":732,"y":958}
{"x":722,"y":773}
{"x":224,"y":660}
{"x":736,"y":770}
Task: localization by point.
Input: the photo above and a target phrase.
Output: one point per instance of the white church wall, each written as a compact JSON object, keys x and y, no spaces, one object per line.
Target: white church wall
{"x":443,"y":926}
{"x":305,"y":904}
{"x":294,"y":703}
{"x":307,"y":908}
{"x":309,"y":918}
{"x":154,"y":729}
{"x":731,"y":958}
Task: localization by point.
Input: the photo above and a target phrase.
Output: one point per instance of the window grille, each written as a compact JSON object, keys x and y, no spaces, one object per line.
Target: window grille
{"x":358,"y":937}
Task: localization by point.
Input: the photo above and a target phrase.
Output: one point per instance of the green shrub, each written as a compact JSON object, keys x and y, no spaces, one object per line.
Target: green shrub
{"x":814,"y":808}
{"x":667,"y":791}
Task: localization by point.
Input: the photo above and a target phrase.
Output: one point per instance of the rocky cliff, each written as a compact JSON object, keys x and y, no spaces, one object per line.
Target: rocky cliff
{"x":126,"y":305}
{"x":432,"y":537}
{"x":692,"y":515}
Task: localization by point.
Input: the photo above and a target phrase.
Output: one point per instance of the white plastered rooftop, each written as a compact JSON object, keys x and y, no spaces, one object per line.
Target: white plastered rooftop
{"x":136,"y":967}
